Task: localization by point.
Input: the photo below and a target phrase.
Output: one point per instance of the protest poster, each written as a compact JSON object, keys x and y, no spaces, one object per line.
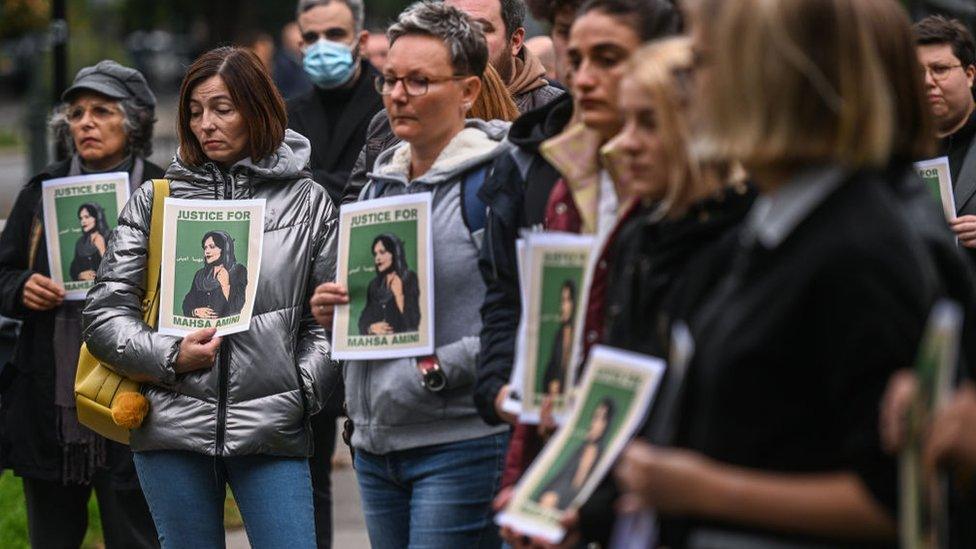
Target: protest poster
{"x":384,"y":260}
{"x":554,"y":267}
{"x":937,"y":177}
{"x":923,"y":507}
{"x":79,"y":213}
{"x":211,"y":264}
{"x":613,"y":398}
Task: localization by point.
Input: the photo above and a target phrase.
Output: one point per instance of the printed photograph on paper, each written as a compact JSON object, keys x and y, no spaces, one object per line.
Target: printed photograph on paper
{"x":613,"y":398}
{"x":555,"y":264}
{"x":384,"y":260}
{"x":211,"y":264}
{"x":938,"y":179}
{"x":79,"y":214}
{"x":513,"y":400}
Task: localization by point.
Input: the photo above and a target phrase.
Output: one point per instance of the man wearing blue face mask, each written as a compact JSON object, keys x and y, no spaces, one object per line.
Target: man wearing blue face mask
{"x":335,"y":114}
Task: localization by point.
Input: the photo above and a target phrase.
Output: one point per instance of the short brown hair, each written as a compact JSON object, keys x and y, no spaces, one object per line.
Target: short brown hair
{"x":936,"y":29}
{"x":797,"y":82}
{"x":253,"y":94}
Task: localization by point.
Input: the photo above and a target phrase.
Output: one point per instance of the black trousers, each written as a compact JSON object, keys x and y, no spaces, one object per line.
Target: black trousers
{"x":57,"y":515}
{"x":320,"y":465}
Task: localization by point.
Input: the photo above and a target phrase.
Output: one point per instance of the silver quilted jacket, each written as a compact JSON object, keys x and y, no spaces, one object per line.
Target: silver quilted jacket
{"x":266,"y":382}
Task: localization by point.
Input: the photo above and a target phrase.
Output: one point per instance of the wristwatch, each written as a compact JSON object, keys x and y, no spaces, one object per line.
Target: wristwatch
{"x":432,"y":377}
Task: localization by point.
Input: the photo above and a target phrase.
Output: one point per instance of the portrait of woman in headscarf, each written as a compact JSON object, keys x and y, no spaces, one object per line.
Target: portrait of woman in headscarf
{"x":218,"y":287}
{"x":393,"y":296}
{"x":562,"y":342}
{"x":560,"y":491}
{"x":91,"y":244}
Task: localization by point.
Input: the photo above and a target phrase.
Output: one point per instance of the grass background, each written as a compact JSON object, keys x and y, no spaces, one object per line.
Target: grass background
{"x":13,"y":516}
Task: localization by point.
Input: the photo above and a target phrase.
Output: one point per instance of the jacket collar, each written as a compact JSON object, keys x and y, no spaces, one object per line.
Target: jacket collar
{"x":775,"y":216}
{"x":478,"y":142}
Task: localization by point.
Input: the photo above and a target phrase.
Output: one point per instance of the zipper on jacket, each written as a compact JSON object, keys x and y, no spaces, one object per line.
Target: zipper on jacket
{"x":223,"y":364}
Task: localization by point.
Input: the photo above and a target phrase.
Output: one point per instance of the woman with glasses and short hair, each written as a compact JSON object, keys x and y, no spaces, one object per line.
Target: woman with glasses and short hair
{"x":106,"y":123}
{"x":427,"y":464}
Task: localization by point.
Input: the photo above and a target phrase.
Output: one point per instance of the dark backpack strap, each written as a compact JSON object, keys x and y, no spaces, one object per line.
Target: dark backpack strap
{"x":474,"y":210}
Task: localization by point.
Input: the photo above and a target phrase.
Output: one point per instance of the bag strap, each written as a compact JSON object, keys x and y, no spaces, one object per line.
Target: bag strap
{"x":473,"y":208}
{"x":154,"y":260}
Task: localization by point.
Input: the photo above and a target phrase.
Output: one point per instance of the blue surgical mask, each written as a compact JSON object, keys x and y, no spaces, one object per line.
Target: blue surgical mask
{"x":329,"y":64}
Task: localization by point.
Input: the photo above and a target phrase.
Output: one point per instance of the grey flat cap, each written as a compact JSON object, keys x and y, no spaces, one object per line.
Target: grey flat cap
{"x":115,"y":81}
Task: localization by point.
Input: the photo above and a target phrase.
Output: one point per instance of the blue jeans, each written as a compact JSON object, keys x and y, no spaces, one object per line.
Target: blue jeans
{"x":433,"y":497}
{"x":186,"y":491}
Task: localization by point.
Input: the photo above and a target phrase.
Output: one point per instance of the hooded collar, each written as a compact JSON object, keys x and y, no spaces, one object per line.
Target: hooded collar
{"x":477,"y":142}
{"x":287,"y":163}
{"x":528,"y":73}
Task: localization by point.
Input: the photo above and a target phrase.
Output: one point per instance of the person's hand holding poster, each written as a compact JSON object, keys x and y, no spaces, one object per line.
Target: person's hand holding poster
{"x":79,"y":214}
{"x":211,"y":264}
{"x":385,"y":255}
{"x":614,"y":396}
{"x":554,"y":269}
{"x":935,"y":173}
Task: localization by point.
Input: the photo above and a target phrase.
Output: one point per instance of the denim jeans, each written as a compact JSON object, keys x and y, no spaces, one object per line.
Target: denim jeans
{"x":186,"y":490}
{"x":434,"y":497}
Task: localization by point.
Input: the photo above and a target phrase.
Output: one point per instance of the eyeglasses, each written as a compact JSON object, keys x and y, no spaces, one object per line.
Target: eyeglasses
{"x":99,"y":113}
{"x":939,"y":72}
{"x":413,"y":85}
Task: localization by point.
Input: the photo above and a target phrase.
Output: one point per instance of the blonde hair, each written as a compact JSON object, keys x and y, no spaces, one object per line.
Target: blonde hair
{"x":795,"y":82}
{"x":662,"y":70}
{"x":494,"y":102}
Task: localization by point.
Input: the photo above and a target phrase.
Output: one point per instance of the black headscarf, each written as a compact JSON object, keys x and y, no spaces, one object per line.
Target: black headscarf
{"x":394,"y":245}
{"x":225,"y":242}
{"x":98,"y":212}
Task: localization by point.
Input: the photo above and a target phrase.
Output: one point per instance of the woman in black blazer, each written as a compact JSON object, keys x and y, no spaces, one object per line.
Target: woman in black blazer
{"x":823,"y":294}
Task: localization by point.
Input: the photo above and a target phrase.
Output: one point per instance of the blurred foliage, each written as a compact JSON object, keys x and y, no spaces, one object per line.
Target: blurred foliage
{"x":13,"y":516}
{"x":22,"y":16}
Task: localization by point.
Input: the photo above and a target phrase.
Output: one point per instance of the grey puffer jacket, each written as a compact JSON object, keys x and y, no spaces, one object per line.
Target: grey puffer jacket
{"x":266,"y":382}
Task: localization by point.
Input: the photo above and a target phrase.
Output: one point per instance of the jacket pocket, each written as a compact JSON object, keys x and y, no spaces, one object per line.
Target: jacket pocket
{"x":397,"y":396}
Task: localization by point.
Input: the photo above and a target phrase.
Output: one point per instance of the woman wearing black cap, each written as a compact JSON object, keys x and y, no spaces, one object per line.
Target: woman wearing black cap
{"x":106,"y":121}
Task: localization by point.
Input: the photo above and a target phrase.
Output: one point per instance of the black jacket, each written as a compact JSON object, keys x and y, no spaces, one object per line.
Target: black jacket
{"x":28,"y":416}
{"x":516,"y":194}
{"x":335,"y":147}
{"x":795,"y":344}
{"x":649,"y":262}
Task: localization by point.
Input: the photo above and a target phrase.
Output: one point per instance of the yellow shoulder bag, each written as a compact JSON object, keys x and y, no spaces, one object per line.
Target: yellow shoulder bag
{"x":107,"y":402}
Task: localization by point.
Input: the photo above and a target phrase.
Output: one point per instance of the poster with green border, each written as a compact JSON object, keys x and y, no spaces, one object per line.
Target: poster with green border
{"x":211,"y":266}
{"x":938,"y":179}
{"x":923,"y":505}
{"x":385,"y":258}
{"x":613,"y":398}
{"x":555,"y":264}
{"x":80,"y":212}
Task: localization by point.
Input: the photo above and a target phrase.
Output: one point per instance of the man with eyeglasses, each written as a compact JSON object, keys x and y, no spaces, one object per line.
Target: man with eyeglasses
{"x":335,"y":114}
{"x":948,"y":57}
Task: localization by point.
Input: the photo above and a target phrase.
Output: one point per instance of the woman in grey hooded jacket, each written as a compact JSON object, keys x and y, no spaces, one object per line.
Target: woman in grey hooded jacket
{"x":427,"y":465}
{"x":231,"y":410}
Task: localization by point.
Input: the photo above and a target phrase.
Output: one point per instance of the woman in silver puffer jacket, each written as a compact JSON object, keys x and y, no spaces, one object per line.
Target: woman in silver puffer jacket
{"x":231,"y":410}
